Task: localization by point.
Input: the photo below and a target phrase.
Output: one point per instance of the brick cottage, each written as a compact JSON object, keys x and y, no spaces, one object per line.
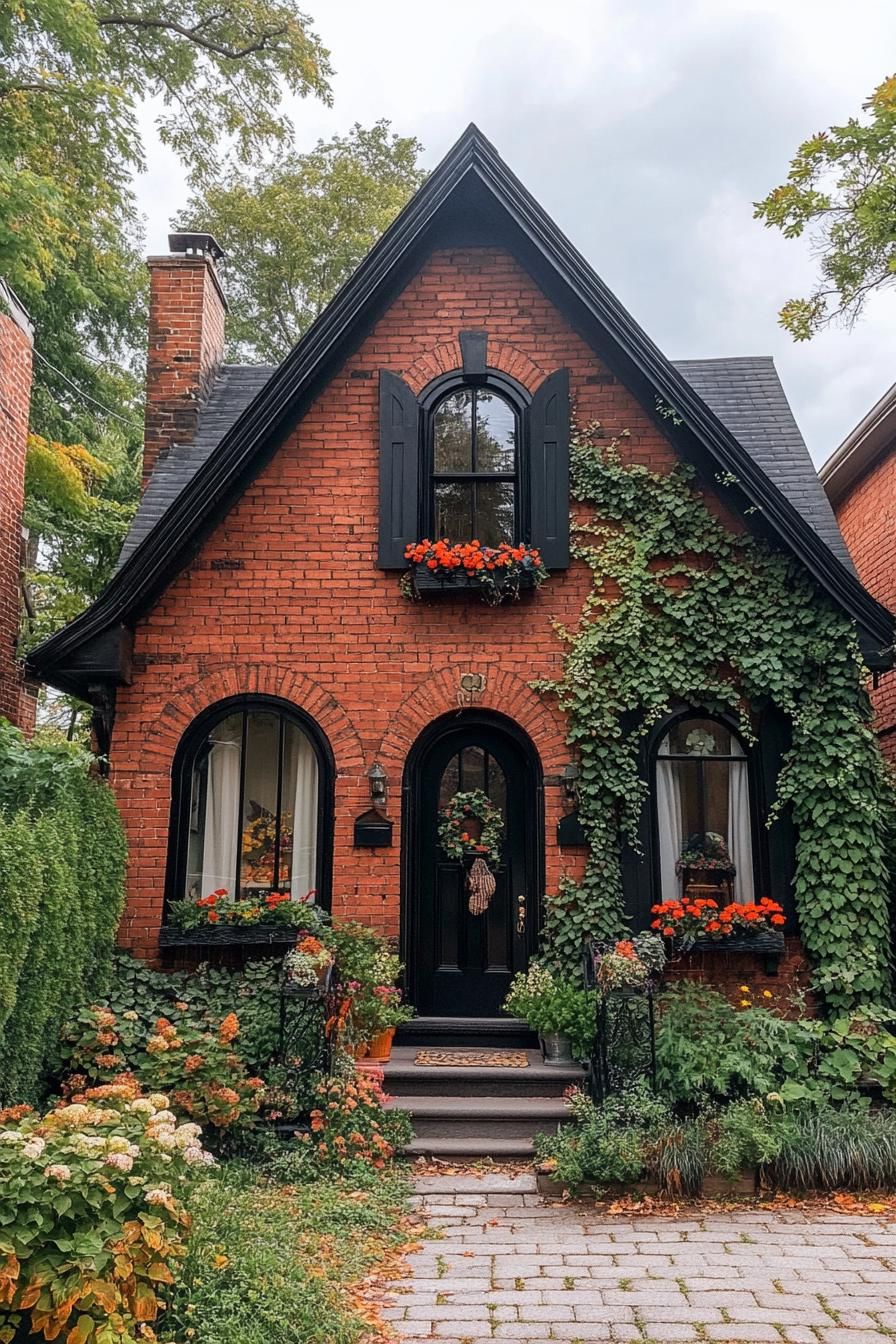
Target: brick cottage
{"x":279,"y":717}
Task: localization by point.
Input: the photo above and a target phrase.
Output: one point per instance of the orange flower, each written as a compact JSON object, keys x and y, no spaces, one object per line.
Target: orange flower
{"x":229,"y":1028}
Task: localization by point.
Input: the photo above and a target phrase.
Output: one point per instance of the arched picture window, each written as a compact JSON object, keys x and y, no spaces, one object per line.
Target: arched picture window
{"x":702,"y":793}
{"x":475,"y":458}
{"x":252,"y":778}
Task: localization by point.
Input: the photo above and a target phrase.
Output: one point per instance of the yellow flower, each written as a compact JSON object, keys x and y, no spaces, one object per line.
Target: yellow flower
{"x":767,"y":994}
{"x":745,"y":1003}
{"x":221,"y":1261}
{"x":744,"y":989}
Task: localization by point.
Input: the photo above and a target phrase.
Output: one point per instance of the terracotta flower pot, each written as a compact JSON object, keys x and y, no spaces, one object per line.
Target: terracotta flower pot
{"x":381,"y":1046}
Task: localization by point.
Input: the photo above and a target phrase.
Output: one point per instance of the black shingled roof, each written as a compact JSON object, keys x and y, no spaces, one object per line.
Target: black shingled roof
{"x":745,"y":393}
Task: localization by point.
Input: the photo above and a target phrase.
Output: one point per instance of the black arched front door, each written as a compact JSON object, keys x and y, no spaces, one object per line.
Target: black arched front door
{"x":460,"y":964}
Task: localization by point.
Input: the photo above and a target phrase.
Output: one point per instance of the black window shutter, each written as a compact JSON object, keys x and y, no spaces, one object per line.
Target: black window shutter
{"x":549,"y":469}
{"x":399,"y":470}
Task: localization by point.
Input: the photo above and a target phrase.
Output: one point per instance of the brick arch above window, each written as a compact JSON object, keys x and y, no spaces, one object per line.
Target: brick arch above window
{"x":446,"y":358}
{"x":222,"y":682}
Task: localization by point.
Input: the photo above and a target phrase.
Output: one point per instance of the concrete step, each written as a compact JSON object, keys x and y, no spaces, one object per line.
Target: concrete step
{"x":482,"y":1117}
{"x":471,"y":1146}
{"x":472,"y":1032}
{"x":403,"y":1077}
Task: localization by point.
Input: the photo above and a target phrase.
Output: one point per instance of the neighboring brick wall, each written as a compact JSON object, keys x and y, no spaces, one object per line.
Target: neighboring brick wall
{"x":284,"y":597}
{"x":867,"y":518}
{"x":185,"y":349}
{"x":17,"y":702}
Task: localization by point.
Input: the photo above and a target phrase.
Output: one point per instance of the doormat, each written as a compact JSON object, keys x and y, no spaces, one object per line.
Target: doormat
{"x":447,"y":1059}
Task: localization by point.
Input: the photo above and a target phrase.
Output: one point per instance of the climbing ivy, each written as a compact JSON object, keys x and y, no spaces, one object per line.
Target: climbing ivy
{"x":684,"y":610}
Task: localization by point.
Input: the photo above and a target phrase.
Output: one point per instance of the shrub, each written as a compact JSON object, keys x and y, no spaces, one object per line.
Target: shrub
{"x":62,"y":864}
{"x":709,"y":1052}
{"x":89,"y":1227}
{"x":605,"y":1143}
{"x":349,"y":1125}
{"x":196,"y":1064}
{"x":746,"y":1134}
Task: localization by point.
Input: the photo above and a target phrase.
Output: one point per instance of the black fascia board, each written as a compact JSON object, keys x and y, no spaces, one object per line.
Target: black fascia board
{"x":464,"y":189}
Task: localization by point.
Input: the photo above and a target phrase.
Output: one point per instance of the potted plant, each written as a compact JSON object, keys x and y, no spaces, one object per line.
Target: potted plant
{"x":307,"y":966}
{"x":368,"y":970}
{"x":273,"y":917}
{"x":562,"y":1015}
{"x":629,"y":964}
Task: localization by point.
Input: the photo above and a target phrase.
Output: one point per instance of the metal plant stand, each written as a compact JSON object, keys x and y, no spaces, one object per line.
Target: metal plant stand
{"x":624,"y":1046}
{"x":305,"y":1044}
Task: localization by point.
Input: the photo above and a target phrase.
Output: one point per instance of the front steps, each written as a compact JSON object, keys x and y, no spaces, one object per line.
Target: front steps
{"x":464,"y":1112}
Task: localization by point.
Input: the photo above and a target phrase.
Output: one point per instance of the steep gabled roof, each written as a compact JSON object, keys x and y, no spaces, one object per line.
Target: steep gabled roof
{"x":472,"y":196}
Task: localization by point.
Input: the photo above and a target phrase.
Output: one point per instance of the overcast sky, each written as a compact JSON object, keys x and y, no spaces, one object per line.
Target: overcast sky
{"x":646,"y":128}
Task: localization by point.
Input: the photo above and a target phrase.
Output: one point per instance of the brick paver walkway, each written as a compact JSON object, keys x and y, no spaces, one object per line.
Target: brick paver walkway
{"x":510,"y":1266}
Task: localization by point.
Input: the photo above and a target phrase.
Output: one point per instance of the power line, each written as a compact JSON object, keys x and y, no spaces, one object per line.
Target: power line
{"x":132,"y":424}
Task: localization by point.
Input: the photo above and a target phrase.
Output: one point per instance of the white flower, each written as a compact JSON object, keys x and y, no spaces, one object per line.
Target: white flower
{"x":117,"y":1144}
{"x":164,"y":1117}
{"x":196,"y":1156}
{"x":58,"y":1171}
{"x":160,"y":1195}
{"x":11,"y":1136}
{"x":34,"y":1147}
{"x":130,"y":1015}
{"x":76,"y":1114}
{"x":185,"y":1136}
{"x":165,"y":1139}
{"x":159,"y":1101}
{"x":142,"y":1106}
{"x":120,"y":1161}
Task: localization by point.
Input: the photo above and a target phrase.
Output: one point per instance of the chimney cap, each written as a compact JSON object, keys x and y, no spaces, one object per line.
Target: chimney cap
{"x":196,"y":244}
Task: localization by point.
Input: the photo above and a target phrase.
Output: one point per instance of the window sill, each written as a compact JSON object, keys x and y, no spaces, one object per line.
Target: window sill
{"x":230,"y":935}
{"x":429,"y":585}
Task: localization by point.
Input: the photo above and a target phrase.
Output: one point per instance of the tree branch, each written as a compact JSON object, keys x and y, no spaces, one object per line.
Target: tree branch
{"x":264,"y":41}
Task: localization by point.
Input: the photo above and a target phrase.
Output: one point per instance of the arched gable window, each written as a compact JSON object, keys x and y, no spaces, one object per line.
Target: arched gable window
{"x":251,"y":786}
{"x":702,"y":801}
{"x":475,"y":464}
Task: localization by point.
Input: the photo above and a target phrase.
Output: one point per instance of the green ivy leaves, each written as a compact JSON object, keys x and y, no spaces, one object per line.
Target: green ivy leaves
{"x":683,"y":610}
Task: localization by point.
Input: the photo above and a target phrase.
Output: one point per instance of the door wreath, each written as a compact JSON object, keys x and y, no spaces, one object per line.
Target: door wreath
{"x":471,"y":826}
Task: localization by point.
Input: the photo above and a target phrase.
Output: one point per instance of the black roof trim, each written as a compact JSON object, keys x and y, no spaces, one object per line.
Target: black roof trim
{"x":472,"y":163}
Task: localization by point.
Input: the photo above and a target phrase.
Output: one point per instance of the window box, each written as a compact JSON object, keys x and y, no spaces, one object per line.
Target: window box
{"x":429,"y":584}
{"x":229,"y":935}
{"x":765,"y":943}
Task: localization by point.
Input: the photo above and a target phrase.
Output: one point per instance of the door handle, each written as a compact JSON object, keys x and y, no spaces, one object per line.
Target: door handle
{"x":521,"y":914}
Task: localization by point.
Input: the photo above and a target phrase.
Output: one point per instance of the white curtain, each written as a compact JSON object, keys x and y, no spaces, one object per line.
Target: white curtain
{"x":740,"y":836}
{"x":668,"y":809}
{"x":220,"y":832}
{"x":304,"y":820}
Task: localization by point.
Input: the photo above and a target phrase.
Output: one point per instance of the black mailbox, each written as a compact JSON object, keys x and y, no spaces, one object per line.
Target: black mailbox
{"x":372,"y":829}
{"x":570,"y":832}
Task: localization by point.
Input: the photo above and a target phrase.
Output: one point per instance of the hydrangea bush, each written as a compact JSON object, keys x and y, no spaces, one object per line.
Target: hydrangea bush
{"x":91,"y":1230}
{"x":196,"y":1063}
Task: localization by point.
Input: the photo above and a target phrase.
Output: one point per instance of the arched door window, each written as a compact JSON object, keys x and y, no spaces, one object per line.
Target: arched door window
{"x":702,"y":802}
{"x":249,"y":814}
{"x":475,"y":459}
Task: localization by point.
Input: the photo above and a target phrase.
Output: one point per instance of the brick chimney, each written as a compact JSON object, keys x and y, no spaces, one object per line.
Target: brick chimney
{"x":187,"y":308}
{"x":17,"y":697}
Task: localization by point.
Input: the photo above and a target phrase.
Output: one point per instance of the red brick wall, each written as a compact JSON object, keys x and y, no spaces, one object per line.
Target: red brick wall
{"x":743,"y":977}
{"x":186,"y":346}
{"x":303,"y":612}
{"x":17,"y":702}
{"x":867,"y":518}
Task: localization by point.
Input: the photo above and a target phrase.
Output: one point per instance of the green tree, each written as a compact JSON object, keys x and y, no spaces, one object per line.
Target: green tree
{"x":842,"y":188}
{"x":72,"y":75}
{"x":295,"y":230}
